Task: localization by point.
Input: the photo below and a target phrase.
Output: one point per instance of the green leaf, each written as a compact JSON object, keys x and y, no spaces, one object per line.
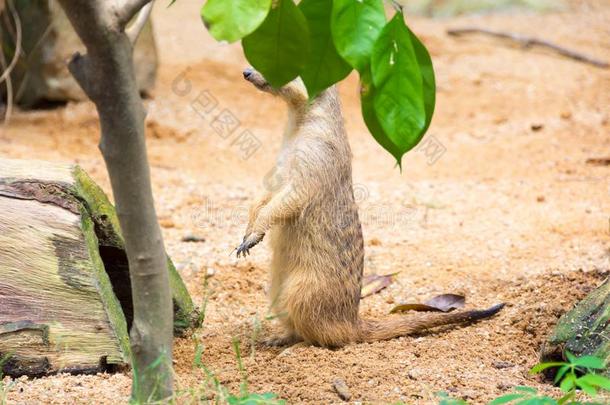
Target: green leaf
{"x":156,"y":363}
{"x":567,"y":383}
{"x":279,"y":48}
{"x":399,"y":103}
{"x":504,"y":399}
{"x":198,"y":361}
{"x":566,"y":398}
{"x":256,"y":399}
{"x":445,"y":399}
{"x":538,"y":401}
{"x":268,"y":395}
{"x":427,"y":71}
{"x":367,"y":98}
{"x":231,"y":20}
{"x":355,"y":26}
{"x":571,"y":358}
{"x":596,"y":380}
{"x":588,"y":388}
{"x":325,"y":66}
{"x":561,"y":372}
{"x":524,"y":388}
{"x":591,"y":362}
{"x":543,"y":366}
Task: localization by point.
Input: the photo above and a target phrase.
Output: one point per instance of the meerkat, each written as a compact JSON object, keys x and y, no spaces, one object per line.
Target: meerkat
{"x":316,"y":235}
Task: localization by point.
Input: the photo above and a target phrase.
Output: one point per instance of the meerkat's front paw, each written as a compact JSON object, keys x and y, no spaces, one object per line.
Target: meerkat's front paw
{"x":250,"y":240}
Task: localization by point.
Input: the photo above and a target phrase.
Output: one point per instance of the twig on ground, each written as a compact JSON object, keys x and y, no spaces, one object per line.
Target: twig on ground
{"x":528,"y":42}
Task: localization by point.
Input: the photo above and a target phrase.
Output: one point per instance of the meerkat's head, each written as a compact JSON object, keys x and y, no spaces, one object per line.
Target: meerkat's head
{"x":294,"y":92}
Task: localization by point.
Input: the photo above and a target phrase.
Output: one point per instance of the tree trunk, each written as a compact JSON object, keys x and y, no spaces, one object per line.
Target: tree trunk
{"x":585,"y":330}
{"x":106,"y":75}
{"x":61,"y":249}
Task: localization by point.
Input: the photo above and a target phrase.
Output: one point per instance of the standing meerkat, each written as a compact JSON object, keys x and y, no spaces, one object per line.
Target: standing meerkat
{"x":316,"y":236}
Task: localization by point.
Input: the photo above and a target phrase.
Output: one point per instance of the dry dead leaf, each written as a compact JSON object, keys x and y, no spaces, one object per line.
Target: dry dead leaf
{"x":373,"y":283}
{"x":442,"y":303}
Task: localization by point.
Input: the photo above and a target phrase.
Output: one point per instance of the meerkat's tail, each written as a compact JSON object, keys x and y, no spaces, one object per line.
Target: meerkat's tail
{"x":374,"y":330}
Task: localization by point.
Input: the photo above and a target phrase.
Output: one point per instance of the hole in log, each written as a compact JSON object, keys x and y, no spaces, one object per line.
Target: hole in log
{"x":46,"y":104}
{"x":552,"y":354}
{"x":117,"y":268}
{"x":20,"y":366}
{"x":555,"y":354}
{"x":111,"y":368}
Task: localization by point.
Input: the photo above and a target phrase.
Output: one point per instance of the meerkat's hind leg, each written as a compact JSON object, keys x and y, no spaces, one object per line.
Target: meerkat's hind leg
{"x":287,"y":339}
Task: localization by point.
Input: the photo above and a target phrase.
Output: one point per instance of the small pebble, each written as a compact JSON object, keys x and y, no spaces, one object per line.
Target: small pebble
{"x":502,"y":364}
{"x":504,"y":386}
{"x":342,"y":390}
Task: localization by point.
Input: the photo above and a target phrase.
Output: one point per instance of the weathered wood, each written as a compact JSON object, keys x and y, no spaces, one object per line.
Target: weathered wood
{"x":585,"y":330}
{"x":65,"y":297}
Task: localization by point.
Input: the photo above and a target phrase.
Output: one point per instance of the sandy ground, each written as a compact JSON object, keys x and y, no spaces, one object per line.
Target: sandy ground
{"x":510,"y":211}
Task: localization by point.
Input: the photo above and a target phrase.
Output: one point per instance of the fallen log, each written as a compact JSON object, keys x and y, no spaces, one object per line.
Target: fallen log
{"x":65,"y":294}
{"x":584,"y":330}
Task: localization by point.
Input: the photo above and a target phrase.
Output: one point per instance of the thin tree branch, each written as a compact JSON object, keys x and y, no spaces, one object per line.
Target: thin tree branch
{"x":9,"y":89}
{"x":128,"y":11}
{"x":77,"y":67}
{"x":134,"y":30}
{"x":528,"y":42}
{"x":28,"y":59}
{"x":11,"y":66}
{"x":6,"y":75}
{"x":7,"y":23}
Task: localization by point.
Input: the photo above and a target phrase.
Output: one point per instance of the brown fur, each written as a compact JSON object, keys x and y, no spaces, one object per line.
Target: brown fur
{"x":316,"y":236}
